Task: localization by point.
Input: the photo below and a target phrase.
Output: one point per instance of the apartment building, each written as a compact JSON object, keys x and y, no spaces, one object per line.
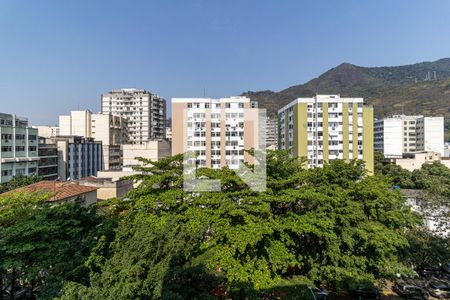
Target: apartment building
{"x":111,"y":130}
{"x":48,"y":159}
{"x":77,"y":123}
{"x":327,"y":127}
{"x":78,"y":157}
{"x":399,"y":134}
{"x":47,"y":131}
{"x":144,"y":111}
{"x":218,"y":130}
{"x":271,"y":133}
{"x":18,"y":147}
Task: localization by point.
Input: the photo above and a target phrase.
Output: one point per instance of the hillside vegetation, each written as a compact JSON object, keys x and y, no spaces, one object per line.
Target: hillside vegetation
{"x":422,"y":88}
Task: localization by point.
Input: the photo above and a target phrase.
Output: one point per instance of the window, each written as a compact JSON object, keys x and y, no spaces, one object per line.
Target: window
{"x":6,"y":172}
{"x":6,"y":149}
{"x":32,"y":148}
{"x":6,"y":136}
{"x":227,"y":105}
{"x":20,"y":136}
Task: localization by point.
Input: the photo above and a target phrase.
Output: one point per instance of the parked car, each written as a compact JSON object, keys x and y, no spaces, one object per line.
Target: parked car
{"x":319,"y":293}
{"x":364,"y":292}
{"x":427,"y":271}
{"x":439,"y":289}
{"x":410,"y":291}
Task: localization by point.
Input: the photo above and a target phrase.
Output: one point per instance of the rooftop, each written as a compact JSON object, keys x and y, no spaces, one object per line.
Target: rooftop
{"x":59,"y":190}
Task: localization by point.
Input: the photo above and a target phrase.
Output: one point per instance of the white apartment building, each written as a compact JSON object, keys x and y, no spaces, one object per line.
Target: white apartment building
{"x":110,"y":130}
{"x":144,"y":111}
{"x":217,"y":130}
{"x":78,"y":123}
{"x":401,"y":134}
{"x":327,"y":127}
{"x":18,"y":148}
{"x":47,"y":131}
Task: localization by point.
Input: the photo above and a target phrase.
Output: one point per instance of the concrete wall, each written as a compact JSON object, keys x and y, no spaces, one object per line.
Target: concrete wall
{"x":154,"y":150}
{"x":434,"y":134}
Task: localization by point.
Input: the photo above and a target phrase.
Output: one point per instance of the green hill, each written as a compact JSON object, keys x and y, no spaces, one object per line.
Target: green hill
{"x":422,"y":88}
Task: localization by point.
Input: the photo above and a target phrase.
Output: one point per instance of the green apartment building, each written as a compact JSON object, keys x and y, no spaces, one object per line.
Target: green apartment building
{"x":18,"y":148}
{"x":327,"y":127}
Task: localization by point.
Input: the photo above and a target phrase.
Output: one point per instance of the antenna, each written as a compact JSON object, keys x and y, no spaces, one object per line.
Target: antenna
{"x":204,"y":92}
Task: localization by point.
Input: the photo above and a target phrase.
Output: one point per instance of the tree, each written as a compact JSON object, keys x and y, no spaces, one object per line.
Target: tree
{"x":42,"y":245}
{"x":331,"y":225}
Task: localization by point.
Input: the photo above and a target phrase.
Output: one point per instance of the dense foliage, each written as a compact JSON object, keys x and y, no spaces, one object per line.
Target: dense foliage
{"x":332,"y":226}
{"x":433,"y":182}
{"x":44,"y":245}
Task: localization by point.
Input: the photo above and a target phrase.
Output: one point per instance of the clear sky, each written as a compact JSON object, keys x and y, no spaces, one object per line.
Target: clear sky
{"x":57,"y":56}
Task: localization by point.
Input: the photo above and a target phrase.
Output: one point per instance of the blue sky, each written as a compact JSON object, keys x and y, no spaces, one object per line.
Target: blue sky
{"x":57,"y":56}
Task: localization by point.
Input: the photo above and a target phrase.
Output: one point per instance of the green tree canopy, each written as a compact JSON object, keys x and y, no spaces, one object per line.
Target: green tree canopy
{"x":330,"y":225}
{"x":42,"y":245}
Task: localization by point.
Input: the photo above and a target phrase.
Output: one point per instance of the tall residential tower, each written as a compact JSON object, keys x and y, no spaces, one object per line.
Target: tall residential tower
{"x":218,"y":130}
{"x":145,"y":113}
{"x":327,"y":127}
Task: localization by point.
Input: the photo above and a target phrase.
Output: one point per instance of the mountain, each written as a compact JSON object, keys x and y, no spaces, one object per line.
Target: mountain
{"x":422,"y":88}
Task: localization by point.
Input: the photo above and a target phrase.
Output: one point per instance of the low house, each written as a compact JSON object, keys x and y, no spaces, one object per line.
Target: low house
{"x":415,"y":160}
{"x":108,"y":187}
{"x":63,"y":192}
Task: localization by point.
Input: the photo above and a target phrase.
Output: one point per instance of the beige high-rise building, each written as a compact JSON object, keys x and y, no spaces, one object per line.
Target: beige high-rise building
{"x":110,"y":130}
{"x":217,"y":130}
{"x":144,"y":111}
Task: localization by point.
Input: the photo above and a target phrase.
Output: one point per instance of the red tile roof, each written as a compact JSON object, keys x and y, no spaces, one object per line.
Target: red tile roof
{"x":59,"y":190}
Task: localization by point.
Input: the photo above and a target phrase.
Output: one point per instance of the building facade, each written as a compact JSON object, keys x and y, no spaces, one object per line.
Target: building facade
{"x":217,"y":130}
{"x":18,"y":148}
{"x":271,"y":133}
{"x":401,"y":134}
{"x":144,"y":111}
{"x":154,"y":150}
{"x":78,"y":123}
{"x":48,"y":160}
{"x":111,"y":130}
{"x":327,"y":127}
{"x":78,"y":157}
{"x":47,"y":131}
{"x":415,"y":160}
